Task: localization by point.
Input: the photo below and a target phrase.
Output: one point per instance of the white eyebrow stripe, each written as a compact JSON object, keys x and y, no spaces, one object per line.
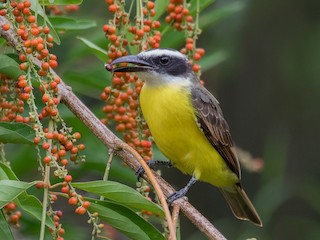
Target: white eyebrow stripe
{"x":159,"y":52}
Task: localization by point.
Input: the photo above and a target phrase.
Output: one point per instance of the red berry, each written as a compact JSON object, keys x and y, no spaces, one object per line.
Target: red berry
{"x":81,"y":210}
{"x":5,"y":27}
{"x":68,"y":178}
{"x":73,"y":201}
{"x":86,"y":204}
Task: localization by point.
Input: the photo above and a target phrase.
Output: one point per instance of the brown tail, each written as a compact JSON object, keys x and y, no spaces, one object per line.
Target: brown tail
{"x":241,"y":205}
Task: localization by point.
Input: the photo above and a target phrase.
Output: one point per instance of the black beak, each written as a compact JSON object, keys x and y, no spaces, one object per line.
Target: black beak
{"x":138,"y":64}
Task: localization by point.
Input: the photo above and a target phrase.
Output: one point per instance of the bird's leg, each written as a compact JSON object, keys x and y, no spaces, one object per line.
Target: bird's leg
{"x":182,"y":192}
{"x":151,"y":164}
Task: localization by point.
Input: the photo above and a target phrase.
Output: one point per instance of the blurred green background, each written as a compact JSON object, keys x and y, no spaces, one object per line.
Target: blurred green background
{"x":262,"y":63}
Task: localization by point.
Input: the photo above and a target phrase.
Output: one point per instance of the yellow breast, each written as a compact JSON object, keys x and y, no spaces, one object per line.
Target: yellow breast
{"x":171,"y":118}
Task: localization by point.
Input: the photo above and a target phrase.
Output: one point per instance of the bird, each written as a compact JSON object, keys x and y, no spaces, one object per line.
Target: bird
{"x":187,"y":125}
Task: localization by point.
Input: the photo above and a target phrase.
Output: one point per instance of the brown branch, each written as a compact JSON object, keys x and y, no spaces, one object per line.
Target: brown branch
{"x":128,"y":154}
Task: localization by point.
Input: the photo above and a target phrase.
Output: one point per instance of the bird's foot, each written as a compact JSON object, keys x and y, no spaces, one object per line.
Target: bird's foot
{"x":176,"y":195}
{"x":151,"y":165}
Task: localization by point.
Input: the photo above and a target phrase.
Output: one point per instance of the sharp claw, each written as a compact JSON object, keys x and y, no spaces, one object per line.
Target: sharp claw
{"x":175,"y":196}
{"x":139,"y":173}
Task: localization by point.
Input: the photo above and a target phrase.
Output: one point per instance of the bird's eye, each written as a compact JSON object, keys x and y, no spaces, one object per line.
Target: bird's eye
{"x":164,"y":60}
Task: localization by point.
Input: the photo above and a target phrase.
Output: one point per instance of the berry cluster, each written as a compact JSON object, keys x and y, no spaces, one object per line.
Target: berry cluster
{"x":59,"y":144}
{"x":12,"y":100}
{"x":181,"y":19}
{"x":11,"y":214}
{"x":121,"y":97}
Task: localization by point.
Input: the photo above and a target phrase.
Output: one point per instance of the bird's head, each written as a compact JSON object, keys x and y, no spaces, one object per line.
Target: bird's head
{"x":156,"y":66}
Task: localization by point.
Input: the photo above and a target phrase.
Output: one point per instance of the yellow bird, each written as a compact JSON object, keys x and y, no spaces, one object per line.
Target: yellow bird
{"x":187,"y":125}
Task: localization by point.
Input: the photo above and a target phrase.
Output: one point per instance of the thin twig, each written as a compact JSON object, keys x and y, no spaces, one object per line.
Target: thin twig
{"x":128,"y":154}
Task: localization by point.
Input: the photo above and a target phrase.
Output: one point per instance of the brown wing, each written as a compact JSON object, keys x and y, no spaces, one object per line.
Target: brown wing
{"x":214,"y":126}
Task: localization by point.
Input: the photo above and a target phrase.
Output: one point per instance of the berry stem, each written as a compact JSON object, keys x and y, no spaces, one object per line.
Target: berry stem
{"x":46,"y":188}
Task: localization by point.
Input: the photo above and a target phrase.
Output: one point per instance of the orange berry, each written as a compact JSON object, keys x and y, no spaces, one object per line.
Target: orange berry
{"x":81,"y":146}
{"x":31,"y":19}
{"x":86,"y":204}
{"x":46,"y":159}
{"x":46,"y":145}
{"x":73,"y":201}
{"x":3,"y":12}
{"x":65,"y":189}
{"x":113,"y":8}
{"x":45,"y":98}
{"x":39,"y":185}
{"x":68,"y":178}
{"x":196,"y":56}
{"x":81,"y":210}
{"x":10,"y":206}
{"x":23,"y":66}
{"x":189,"y":46}
{"x":145,"y":144}
{"x":77,"y":135}
{"x":150,"y":5}
{"x":53,"y":63}
{"x":64,"y":162}
{"x":113,"y":37}
{"x":36,"y":140}
{"x":5,"y":27}
{"x":196,"y":68}
{"x":74,"y":150}
{"x":62,"y":153}
{"x":49,"y":135}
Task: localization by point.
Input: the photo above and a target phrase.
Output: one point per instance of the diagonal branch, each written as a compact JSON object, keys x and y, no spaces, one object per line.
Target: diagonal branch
{"x":128,"y":154}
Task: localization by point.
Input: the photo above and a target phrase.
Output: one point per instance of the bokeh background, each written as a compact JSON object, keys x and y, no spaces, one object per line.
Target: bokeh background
{"x":262,"y":63}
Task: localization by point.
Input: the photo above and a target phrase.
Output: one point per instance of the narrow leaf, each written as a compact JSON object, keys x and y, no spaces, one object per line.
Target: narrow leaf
{"x":16,"y":133}
{"x":126,"y":221}
{"x":28,"y":203}
{"x":10,"y":189}
{"x":210,"y":18}
{"x":121,"y":194}
{"x":5,"y":230}
{"x":96,"y":50}
{"x":67,"y":23}
{"x":202,"y":5}
{"x":212,"y":60}
{"x":160,"y":8}
{"x":9,"y":67}
{"x":33,"y":206}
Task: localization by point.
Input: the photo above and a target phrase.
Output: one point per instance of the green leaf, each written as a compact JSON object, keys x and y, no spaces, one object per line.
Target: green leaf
{"x":126,"y":221}
{"x":6,"y":173}
{"x":38,"y":10}
{"x":60,"y":2}
{"x":210,"y":18}
{"x":10,"y":189}
{"x":5,"y":230}
{"x":83,"y":83}
{"x":212,"y":60}
{"x":28,"y":203}
{"x":202,"y":5}
{"x":96,"y":50}
{"x":67,"y":23}
{"x":16,"y":133}
{"x":33,"y":206}
{"x":160,"y":7}
{"x":9,"y":67}
{"x":121,"y":194}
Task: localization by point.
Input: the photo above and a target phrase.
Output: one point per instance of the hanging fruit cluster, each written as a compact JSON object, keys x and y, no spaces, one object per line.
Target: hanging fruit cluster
{"x":122,"y":105}
{"x":58,"y":143}
{"x":181,"y":19}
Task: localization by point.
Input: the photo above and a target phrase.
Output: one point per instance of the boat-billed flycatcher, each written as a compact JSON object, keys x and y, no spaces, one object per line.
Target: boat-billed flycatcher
{"x":187,"y":125}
